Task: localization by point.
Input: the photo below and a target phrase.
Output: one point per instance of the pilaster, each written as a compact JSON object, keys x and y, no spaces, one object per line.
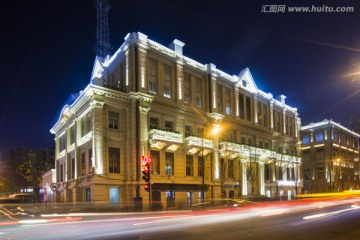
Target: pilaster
{"x":262,"y":178}
{"x":244,"y":177}
{"x":98,"y":136}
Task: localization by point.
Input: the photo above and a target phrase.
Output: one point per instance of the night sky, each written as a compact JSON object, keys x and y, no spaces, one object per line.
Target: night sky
{"x":47,"y":53}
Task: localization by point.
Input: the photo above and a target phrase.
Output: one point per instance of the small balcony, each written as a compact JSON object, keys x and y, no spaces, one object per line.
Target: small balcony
{"x":230,"y":150}
{"x":161,"y":138}
{"x":196,"y":144}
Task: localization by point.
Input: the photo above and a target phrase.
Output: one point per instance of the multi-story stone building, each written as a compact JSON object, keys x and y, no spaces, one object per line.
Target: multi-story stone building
{"x":330,"y":156}
{"x":148,"y":99}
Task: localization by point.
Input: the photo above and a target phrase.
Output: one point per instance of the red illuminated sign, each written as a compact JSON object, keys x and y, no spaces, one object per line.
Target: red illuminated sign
{"x":146,"y":160}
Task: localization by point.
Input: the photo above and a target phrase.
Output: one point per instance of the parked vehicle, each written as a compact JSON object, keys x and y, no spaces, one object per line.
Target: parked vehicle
{"x":18,"y":198}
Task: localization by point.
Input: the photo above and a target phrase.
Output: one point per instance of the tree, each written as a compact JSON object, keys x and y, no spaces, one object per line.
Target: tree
{"x":7,"y":187}
{"x":252,"y":169}
{"x":32,"y":170}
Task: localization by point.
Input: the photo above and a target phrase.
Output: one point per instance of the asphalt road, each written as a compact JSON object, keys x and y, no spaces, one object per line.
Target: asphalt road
{"x":338,"y":219}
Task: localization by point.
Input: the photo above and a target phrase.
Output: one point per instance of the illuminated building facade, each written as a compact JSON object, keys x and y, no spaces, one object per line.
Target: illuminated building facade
{"x":148,"y":99}
{"x":330,"y":156}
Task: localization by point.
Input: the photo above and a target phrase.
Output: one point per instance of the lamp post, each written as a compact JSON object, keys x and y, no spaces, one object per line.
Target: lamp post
{"x":215,"y":130}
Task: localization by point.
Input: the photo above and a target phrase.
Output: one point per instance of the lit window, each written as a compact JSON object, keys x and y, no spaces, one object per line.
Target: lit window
{"x":169,"y":163}
{"x":319,"y":137}
{"x":153,"y":75}
{"x":155,"y":162}
{"x":306,"y":140}
{"x":167,"y":81}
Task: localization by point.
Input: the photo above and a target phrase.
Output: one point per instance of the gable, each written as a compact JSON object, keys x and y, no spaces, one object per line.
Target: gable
{"x":246,"y":81}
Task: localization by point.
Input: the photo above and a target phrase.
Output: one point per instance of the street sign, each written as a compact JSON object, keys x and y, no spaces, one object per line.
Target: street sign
{"x":53,"y":186}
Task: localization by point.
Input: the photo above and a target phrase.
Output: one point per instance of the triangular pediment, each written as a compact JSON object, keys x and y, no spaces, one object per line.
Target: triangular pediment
{"x":246,"y":81}
{"x":98,"y":69}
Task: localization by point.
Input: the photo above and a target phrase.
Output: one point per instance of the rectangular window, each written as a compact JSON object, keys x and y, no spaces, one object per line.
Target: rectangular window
{"x":153,"y":76}
{"x":83,"y":164}
{"x":200,"y":132}
{"x":320,"y":172}
{"x":187,"y":88}
{"x":265,"y":115}
{"x":293,"y":177}
{"x":168,"y":126}
{"x":200,"y":166}
{"x":154,"y":123}
{"x":198,"y":92}
{"x":122,"y":76}
{"x":61,"y":172}
{"x":219,"y":98}
{"x":189,"y":165}
{"x":228,"y":101}
{"x":90,"y":161}
{"x":187,"y":131}
{"x":113,"y":120}
{"x":306,"y":140}
{"x":62,"y":143}
{"x":287,"y":174}
{"x":114,"y":160}
{"x":259,"y":113}
{"x":72,"y":168}
{"x":155,"y":162}
{"x":319,"y":137}
{"x":280,"y":174}
{"x":248,"y":109}
{"x":241,"y":106}
{"x":169,"y":163}
{"x":86,"y":124}
{"x":72,"y":135}
{"x":189,"y":198}
{"x":277,"y":120}
{"x":167,"y":81}
{"x":230,"y":168}
{"x":170,"y":199}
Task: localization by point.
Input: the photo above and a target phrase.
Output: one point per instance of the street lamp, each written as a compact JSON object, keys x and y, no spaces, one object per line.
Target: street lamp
{"x":214,"y":131}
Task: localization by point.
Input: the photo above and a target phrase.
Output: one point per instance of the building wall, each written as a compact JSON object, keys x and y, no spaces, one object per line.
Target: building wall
{"x":163,"y":102}
{"x":330,"y":155}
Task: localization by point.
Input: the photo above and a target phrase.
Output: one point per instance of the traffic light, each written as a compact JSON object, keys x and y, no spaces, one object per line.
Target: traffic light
{"x":147,"y":187}
{"x":146,"y":173}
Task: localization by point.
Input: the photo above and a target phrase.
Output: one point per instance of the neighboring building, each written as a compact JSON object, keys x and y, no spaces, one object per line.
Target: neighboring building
{"x":13,"y":156}
{"x":330,"y":156}
{"x":148,"y":99}
{"x":47,"y":192}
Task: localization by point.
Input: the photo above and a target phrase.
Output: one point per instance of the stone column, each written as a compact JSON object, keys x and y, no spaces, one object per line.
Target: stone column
{"x":98,"y":136}
{"x":144,"y":130}
{"x":261,"y":178}
{"x":244,"y":177}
